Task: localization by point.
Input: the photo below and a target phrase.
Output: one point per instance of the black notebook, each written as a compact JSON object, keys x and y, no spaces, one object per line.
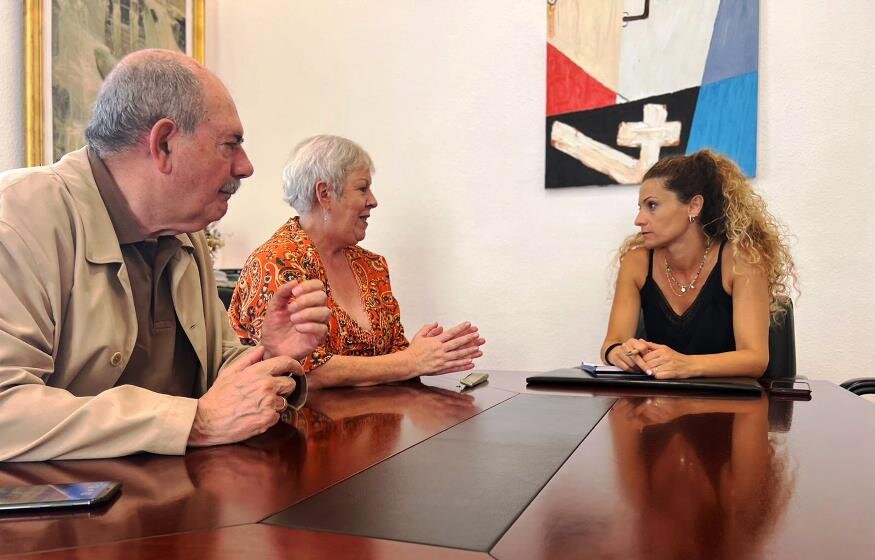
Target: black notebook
{"x":710,"y":385}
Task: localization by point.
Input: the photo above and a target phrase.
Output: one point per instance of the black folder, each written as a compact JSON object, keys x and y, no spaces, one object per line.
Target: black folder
{"x":728,"y":386}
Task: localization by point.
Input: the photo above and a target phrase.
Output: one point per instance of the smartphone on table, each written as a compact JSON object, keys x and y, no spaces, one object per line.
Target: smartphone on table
{"x":43,"y":497}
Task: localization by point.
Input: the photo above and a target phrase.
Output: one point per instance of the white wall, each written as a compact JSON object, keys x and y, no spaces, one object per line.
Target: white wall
{"x":448,"y":97}
{"x":11,"y":85}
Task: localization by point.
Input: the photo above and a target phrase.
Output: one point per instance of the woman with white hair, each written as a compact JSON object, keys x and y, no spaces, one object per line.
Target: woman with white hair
{"x":328,"y":182}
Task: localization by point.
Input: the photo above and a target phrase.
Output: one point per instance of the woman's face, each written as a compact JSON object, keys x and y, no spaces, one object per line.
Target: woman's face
{"x":350,"y":212}
{"x":662,"y":217}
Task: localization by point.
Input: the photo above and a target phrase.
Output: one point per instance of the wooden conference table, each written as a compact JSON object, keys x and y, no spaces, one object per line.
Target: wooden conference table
{"x":422,"y":471}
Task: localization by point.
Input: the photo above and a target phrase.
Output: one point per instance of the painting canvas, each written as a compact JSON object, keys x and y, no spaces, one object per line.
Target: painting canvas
{"x":81,"y":42}
{"x":632,"y":81}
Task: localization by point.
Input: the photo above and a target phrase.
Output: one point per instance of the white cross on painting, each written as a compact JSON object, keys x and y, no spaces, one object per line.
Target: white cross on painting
{"x":650,"y":136}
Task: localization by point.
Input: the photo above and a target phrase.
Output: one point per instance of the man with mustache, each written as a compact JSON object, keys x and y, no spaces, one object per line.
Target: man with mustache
{"x":112,"y":336}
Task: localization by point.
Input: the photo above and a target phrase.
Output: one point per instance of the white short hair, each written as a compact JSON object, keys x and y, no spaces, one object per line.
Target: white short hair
{"x":320,"y":158}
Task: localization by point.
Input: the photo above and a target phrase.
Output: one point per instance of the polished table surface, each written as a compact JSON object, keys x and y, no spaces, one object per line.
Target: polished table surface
{"x":659,"y":476}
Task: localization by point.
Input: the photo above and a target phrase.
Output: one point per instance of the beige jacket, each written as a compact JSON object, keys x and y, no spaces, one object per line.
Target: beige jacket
{"x":68,"y":325}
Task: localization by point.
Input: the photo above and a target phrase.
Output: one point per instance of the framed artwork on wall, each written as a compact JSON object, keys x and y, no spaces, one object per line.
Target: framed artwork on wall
{"x":70,"y":47}
{"x":631,"y":82}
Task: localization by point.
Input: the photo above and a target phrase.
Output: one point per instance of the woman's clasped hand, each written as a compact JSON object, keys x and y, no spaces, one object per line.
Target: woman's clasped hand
{"x":658,"y":360}
{"x":434,"y":350}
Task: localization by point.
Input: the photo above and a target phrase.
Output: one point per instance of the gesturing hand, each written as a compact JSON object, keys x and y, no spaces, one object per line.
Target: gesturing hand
{"x":296,"y":320}
{"x":434,"y":350}
{"x":246,"y":399}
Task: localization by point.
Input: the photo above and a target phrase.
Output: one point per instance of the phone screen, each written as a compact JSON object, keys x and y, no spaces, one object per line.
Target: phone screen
{"x":44,"y":496}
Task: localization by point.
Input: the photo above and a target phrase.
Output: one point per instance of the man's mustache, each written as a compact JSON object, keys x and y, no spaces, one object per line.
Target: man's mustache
{"x":230,"y":187}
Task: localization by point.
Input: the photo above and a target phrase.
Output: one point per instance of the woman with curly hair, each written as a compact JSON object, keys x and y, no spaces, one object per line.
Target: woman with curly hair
{"x":706,"y":270}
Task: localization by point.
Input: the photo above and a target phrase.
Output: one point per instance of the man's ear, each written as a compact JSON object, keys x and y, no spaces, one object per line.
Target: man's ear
{"x":161,"y":138}
{"x":323,"y":194}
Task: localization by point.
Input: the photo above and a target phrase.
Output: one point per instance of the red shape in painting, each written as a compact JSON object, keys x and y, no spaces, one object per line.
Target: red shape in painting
{"x":570,"y":88}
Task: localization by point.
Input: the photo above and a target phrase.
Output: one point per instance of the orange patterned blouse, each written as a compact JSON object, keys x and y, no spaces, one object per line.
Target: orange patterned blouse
{"x":290,"y":255}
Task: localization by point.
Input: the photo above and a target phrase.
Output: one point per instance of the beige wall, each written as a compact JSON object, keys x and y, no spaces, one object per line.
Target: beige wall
{"x":11,"y":85}
{"x":448,"y":97}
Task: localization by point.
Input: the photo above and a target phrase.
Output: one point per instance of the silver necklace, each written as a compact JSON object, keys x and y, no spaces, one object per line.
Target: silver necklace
{"x":672,"y":281}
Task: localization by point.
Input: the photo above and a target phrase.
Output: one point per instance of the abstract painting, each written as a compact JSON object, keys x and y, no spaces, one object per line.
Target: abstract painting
{"x":632,"y":81}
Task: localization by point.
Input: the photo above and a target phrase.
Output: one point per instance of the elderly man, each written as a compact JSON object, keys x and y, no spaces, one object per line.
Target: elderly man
{"x":112,"y":336}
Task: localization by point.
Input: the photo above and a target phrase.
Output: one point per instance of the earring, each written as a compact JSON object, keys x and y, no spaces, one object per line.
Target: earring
{"x":691,"y":218}
{"x":325,"y":217}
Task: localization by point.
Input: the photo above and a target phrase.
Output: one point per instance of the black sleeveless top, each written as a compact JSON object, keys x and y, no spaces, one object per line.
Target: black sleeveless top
{"x":704,"y":328}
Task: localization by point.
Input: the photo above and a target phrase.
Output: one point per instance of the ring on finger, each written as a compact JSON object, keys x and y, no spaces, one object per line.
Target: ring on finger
{"x":284,"y":406}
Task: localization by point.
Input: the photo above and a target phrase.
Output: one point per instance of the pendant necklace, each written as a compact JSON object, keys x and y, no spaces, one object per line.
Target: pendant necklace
{"x":672,"y":281}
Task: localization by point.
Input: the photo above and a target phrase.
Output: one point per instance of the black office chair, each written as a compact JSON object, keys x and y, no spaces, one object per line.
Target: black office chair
{"x":782,"y":345}
{"x":860,"y":385}
{"x":225,"y":282}
{"x":225,"y":294}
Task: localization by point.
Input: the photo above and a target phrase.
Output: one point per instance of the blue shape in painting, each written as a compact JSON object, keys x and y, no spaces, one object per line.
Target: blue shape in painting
{"x":726,"y":120}
{"x":735,"y":41}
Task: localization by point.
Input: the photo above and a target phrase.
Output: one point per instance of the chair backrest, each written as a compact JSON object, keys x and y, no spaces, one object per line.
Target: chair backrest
{"x":782,"y":365}
{"x":226,"y":280}
{"x":225,"y":294}
{"x":782,"y":344}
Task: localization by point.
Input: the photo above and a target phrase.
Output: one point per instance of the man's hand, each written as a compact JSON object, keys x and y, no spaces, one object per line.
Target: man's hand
{"x":296,"y":320}
{"x":246,"y":399}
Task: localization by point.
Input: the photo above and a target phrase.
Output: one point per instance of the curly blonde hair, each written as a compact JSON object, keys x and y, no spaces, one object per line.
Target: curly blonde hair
{"x":731,"y":212}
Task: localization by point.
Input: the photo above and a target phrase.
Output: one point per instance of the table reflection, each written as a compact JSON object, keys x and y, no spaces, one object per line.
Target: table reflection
{"x":347,"y":430}
{"x":339,"y":433}
{"x":160,"y":494}
{"x":704,"y":477}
